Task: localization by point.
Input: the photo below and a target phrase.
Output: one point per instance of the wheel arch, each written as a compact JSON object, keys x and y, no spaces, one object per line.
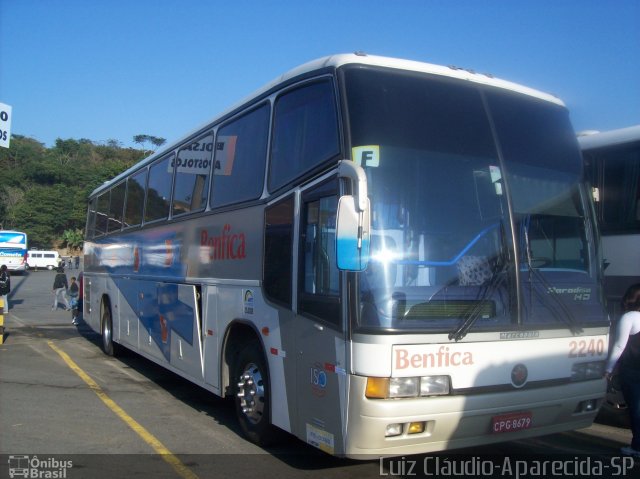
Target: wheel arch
{"x":238,"y":335}
{"x":105,"y":302}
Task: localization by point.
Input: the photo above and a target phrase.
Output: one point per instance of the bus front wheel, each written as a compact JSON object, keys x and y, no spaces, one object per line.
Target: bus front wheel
{"x":252,"y":398}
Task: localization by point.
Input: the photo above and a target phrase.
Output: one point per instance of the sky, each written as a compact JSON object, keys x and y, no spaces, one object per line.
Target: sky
{"x":111,"y":69}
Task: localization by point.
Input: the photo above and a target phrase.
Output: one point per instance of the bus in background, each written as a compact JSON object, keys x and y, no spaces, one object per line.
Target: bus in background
{"x":612,"y":167}
{"x":378,"y":256}
{"x":13,"y":250}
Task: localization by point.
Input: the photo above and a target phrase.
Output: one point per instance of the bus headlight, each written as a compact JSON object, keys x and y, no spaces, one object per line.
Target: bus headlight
{"x":435,"y":385}
{"x":404,"y":387}
{"x":586,"y":371}
{"x":385,"y":388}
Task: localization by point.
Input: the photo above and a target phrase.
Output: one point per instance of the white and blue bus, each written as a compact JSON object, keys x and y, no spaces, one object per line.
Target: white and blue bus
{"x":378,"y":256}
{"x":13,"y":250}
{"x":612,"y":167}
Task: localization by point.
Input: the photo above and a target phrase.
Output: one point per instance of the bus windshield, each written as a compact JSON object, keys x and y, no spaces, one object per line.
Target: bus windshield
{"x":479,"y":217}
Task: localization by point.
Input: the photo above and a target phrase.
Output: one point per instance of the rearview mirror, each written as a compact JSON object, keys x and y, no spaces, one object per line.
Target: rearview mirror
{"x":352,"y":234}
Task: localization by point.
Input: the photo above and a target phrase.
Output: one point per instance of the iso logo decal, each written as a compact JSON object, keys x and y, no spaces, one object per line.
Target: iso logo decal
{"x":318,"y":380}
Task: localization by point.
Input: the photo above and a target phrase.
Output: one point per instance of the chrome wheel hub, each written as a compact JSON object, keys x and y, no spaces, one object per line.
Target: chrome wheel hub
{"x":251,"y":393}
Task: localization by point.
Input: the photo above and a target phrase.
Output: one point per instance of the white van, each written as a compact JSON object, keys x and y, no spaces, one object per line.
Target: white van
{"x":43,"y":259}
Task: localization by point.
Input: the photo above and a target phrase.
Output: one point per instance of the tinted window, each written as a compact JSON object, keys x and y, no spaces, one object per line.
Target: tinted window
{"x":115,"y":209}
{"x":192,"y":176}
{"x":241,"y":148}
{"x":541,"y":151}
{"x":319,"y":275}
{"x":416,"y":112}
{"x":91,"y":220}
{"x":278,"y":244}
{"x":135,"y":199}
{"x":305,"y":132}
{"x":159,"y":190}
{"x":620,"y":188}
{"x":102,"y":214}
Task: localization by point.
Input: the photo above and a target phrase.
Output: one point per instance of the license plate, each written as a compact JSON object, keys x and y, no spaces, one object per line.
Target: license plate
{"x":515,"y":421}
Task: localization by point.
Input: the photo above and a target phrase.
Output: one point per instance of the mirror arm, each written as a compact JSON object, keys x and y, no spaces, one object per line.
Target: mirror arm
{"x":348,"y":169}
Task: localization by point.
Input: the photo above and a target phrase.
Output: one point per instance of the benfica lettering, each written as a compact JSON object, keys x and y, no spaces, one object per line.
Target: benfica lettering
{"x":443,"y":358}
{"x":226,"y":246}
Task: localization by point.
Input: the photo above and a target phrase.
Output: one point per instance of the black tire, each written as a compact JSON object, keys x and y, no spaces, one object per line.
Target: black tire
{"x":108,"y":346}
{"x":253,"y":396}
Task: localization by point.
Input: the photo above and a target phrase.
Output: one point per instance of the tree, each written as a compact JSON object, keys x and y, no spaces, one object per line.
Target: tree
{"x":10,"y":196}
{"x":154,"y":140}
{"x":73,"y":238}
{"x":141,"y":140}
{"x":43,"y":214}
{"x":157,"y":142}
{"x":44,"y":191}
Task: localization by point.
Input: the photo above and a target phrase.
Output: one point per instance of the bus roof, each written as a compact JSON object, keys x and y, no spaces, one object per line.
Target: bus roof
{"x":358,"y":58}
{"x":337,"y":61}
{"x":620,"y":136}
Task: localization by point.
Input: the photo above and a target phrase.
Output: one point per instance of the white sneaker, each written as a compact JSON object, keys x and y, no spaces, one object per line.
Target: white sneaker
{"x":629,"y":451}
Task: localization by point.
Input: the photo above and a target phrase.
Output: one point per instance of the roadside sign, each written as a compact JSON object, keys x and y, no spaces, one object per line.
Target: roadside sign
{"x":5,"y":125}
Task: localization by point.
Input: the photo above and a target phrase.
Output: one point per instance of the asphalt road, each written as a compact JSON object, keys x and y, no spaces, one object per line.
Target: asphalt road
{"x":127,"y":417}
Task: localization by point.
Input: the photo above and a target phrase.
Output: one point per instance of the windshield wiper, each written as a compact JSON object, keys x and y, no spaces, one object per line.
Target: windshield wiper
{"x":487,"y":291}
{"x":496,"y":281}
{"x":568,"y":317}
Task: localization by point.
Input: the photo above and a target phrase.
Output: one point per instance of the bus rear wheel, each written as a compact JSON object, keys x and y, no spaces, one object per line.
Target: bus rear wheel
{"x":252,"y":398}
{"x":108,"y":345}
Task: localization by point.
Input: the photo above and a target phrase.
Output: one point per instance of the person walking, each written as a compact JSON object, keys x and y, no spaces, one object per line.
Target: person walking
{"x":5,"y":286}
{"x":60,"y":286}
{"x":74,"y":293}
{"x":625,"y":358}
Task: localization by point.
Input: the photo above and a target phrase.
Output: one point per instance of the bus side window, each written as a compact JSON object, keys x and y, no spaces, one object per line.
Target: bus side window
{"x":91,"y":220}
{"x":115,"y":209}
{"x":621,"y":198}
{"x":305,"y":132}
{"x":102,"y":213}
{"x":159,"y":190}
{"x":240,"y":158}
{"x":193,"y":167}
{"x":278,"y":245}
{"x":135,"y":199}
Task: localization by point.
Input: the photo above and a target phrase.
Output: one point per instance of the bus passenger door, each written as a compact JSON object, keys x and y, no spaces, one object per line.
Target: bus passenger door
{"x":210,"y":338}
{"x":320,"y":343}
